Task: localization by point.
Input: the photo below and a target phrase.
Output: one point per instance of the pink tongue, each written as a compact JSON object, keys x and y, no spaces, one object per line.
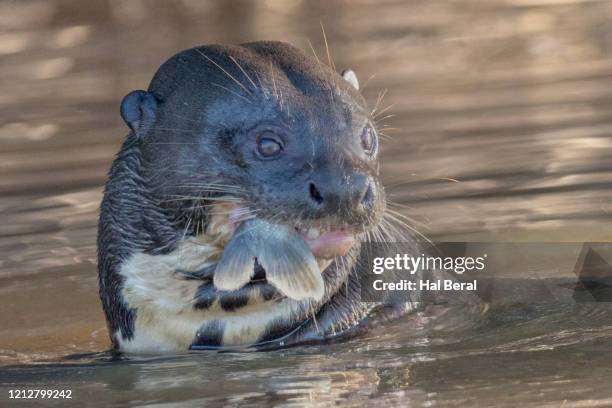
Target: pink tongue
{"x":331,"y":244}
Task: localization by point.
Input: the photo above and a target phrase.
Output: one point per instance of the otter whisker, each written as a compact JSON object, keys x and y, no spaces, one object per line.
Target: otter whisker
{"x":388,"y":233}
{"x":200,"y":204}
{"x":211,"y":198}
{"x":383,"y":111}
{"x":393,"y":204}
{"x":243,"y":71}
{"x":220,"y":195}
{"x":261,"y":86}
{"x":399,"y":183}
{"x":205,"y":184}
{"x":280,"y":91}
{"x":402,"y":216}
{"x":378,"y":120}
{"x":207,"y":188}
{"x":367,"y":81}
{"x":226,"y":73}
{"x":380,"y":233}
{"x":391,"y":217}
{"x":388,"y":128}
{"x":329,"y":58}
{"x":182,"y":117}
{"x":381,"y":96}
{"x":208,"y":183}
{"x":384,"y":136}
{"x":313,"y":51}
{"x":383,"y":235}
{"x":220,"y":192}
{"x":216,"y":193}
{"x":230,"y":91}
{"x":272,"y":75}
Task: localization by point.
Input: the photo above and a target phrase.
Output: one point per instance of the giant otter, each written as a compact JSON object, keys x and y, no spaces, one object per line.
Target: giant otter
{"x":234,"y":212}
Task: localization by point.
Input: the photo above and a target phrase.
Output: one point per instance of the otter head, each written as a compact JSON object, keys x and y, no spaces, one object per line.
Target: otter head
{"x":260,"y":131}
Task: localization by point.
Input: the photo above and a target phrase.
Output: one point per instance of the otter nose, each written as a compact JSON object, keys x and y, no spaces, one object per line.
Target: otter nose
{"x":356,"y":193}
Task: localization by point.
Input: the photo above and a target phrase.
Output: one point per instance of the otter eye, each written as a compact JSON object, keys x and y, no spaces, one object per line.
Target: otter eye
{"x":369,"y":140}
{"x":269,"y":146}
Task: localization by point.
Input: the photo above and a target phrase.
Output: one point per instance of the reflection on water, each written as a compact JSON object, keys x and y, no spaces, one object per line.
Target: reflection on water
{"x":501,"y":128}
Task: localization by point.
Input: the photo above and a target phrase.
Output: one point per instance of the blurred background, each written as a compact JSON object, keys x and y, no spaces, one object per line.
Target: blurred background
{"x":500,"y":126}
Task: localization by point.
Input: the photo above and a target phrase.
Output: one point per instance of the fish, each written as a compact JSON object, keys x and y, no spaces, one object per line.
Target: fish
{"x":280,"y":250}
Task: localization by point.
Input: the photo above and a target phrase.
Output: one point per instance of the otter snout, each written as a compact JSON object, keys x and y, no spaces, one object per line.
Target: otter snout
{"x":354,"y":193}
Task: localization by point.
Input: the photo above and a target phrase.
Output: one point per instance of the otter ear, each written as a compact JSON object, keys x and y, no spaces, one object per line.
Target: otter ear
{"x":350,"y":77}
{"x":138,"y":108}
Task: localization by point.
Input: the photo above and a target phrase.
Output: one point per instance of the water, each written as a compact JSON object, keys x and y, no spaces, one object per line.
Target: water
{"x":504,"y":110}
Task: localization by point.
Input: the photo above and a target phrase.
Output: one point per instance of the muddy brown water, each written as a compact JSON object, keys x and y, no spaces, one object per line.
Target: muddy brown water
{"x":504,"y":118}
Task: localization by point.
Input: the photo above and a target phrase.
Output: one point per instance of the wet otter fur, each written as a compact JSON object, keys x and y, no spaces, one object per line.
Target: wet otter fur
{"x":229,"y":136}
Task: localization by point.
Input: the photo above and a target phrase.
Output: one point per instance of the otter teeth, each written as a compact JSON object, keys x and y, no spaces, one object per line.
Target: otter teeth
{"x":313,"y":233}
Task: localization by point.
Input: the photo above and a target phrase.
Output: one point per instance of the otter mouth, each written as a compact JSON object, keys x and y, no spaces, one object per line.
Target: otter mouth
{"x":327,"y":244}
{"x":325,"y":240}
{"x":288,"y":258}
